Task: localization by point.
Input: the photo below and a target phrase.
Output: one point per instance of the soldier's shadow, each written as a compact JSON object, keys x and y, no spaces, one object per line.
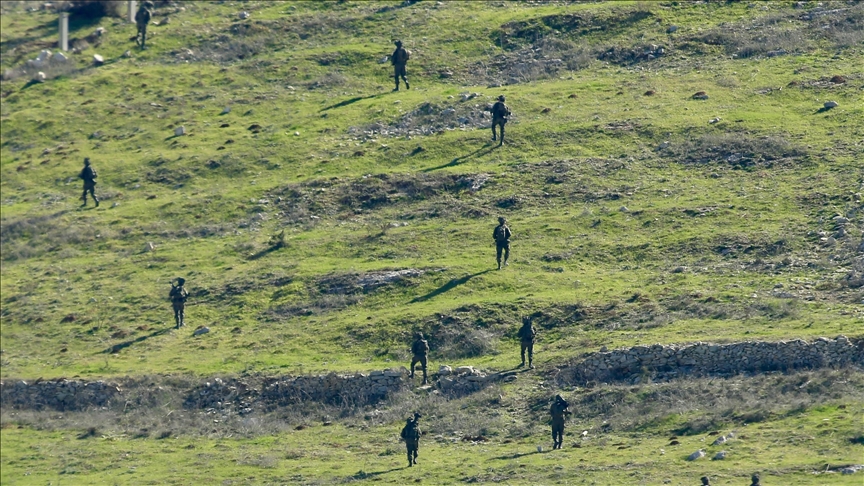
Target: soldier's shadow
{"x":125,"y":344}
{"x":519,"y":454}
{"x":446,"y":287}
{"x":477,"y":153}
{"x":364,"y":475}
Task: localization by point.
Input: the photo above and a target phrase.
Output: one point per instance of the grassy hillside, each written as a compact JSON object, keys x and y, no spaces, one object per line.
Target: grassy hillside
{"x":639,"y":213}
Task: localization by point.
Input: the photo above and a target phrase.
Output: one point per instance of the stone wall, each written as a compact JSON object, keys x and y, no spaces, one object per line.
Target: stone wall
{"x":58,"y":394}
{"x":659,"y":362}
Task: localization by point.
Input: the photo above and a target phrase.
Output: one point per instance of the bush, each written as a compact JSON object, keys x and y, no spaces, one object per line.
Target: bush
{"x":94,"y":9}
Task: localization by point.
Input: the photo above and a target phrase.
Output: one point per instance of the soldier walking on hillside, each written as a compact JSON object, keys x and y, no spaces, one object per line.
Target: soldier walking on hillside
{"x":178,"y":296}
{"x":754,"y":480}
{"x":559,"y":410}
{"x":88,"y":174}
{"x":526,"y":339}
{"x":705,"y":481}
{"x":420,"y":351}
{"x":411,"y":435}
{"x":142,"y":19}
{"x":500,"y":112}
{"x":501,"y":234}
{"x":399,"y":59}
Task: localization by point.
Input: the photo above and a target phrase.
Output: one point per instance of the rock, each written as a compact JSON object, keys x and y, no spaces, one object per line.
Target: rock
{"x":714,"y":120}
{"x":226,"y":110}
{"x":696,"y":455}
{"x":43,"y":56}
{"x":445,"y":370}
{"x":837,"y":79}
{"x":149,"y":247}
{"x":719,"y":456}
{"x":539,"y":448}
{"x":603,"y":349}
{"x":59,"y":57}
{"x":181,"y":130}
{"x":201,"y":330}
{"x":244,"y":15}
{"x":98,"y":60}
{"x":664,"y":145}
{"x":39,"y":77}
{"x":383,"y":60}
{"x":831,"y":104}
{"x":127,"y":54}
{"x":679,"y":269}
{"x":296,"y":134}
{"x":445,"y":74}
{"x":700,"y":95}
{"x":624,"y":209}
{"x":720,"y":440}
{"x":672,"y":29}
{"x":100,"y":31}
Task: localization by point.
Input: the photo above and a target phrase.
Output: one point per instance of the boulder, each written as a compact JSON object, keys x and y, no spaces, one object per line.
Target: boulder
{"x":696,"y":455}
{"x":244,"y":15}
{"x":831,"y":104}
{"x":719,"y":456}
{"x":445,"y":370}
{"x":39,"y":77}
{"x":59,"y":57}
{"x":179,"y":131}
{"x":201,"y":330}
{"x":98,"y":60}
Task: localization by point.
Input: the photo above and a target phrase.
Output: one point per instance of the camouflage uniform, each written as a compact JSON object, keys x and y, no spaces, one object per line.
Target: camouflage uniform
{"x":502,"y":235}
{"x":411,"y":434}
{"x":500,"y":112}
{"x":399,"y":59}
{"x":88,"y":174}
{"x":705,"y":481}
{"x":754,"y":480}
{"x":419,"y":350}
{"x":178,"y":296}
{"x":526,"y":338}
{"x":142,"y":19}
{"x":558,"y":410}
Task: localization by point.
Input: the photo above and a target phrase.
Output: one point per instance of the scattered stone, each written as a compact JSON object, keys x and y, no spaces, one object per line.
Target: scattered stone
{"x":179,"y":131}
{"x":98,"y":60}
{"x":226,"y":110}
{"x":679,"y":269}
{"x":650,"y":92}
{"x":672,"y":29}
{"x":837,"y":79}
{"x":539,"y":448}
{"x":831,"y":104}
{"x":719,"y":456}
{"x":296,"y":134}
{"x":100,"y":31}
{"x":720,"y":440}
{"x":39,"y":77}
{"x":445,"y":370}
{"x":149,"y":247}
{"x":700,"y":95}
{"x":201,"y":330}
{"x":127,"y":54}
{"x":383,"y":60}
{"x":59,"y":57}
{"x":225,"y":125}
{"x":714,"y":120}
{"x":664,"y":145}
{"x":572,"y":96}
{"x":545,"y":110}
{"x":445,"y":74}
{"x":624,"y":209}
{"x":696,"y":455}
{"x":852,"y":469}
{"x":244,"y":15}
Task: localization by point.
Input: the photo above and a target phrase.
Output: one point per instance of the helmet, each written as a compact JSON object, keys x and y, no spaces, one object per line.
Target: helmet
{"x":181,"y":280}
{"x":502,"y":219}
{"x":398,"y":43}
{"x":147,"y":4}
{"x":418,"y":335}
{"x":86,"y":160}
{"x":500,"y":97}
{"x":417,"y":415}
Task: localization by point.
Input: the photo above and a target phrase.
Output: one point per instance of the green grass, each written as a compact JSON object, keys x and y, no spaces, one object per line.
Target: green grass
{"x":648,"y":245}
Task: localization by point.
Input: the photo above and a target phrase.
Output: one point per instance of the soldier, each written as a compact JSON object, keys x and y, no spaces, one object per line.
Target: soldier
{"x":502,"y":235}
{"x":411,"y":435}
{"x":558,"y":410}
{"x":178,"y":296}
{"x":500,"y":112}
{"x":88,"y":174}
{"x":754,"y":480}
{"x":526,"y":339}
{"x":142,"y":18}
{"x":420,"y":350}
{"x":705,"y":481}
{"x":399,"y":59}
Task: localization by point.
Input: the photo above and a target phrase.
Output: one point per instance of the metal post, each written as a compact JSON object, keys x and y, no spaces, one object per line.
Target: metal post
{"x":130,"y":11}
{"x":64,"y":31}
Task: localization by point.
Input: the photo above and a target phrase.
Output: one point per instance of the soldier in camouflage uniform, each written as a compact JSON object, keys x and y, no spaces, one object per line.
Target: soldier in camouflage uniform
{"x":178,"y":296}
{"x":142,"y":19}
{"x":558,"y":410}
{"x":411,"y":435}
{"x":526,"y":339}
{"x":500,"y":112}
{"x":399,"y":59}
{"x":705,"y":481}
{"x":88,"y":174}
{"x":501,"y":234}
{"x":754,"y":480}
{"x":419,"y":351}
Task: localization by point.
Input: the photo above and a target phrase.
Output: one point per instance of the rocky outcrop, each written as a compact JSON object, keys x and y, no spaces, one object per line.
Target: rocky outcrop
{"x":659,"y":362}
{"x":58,"y":394}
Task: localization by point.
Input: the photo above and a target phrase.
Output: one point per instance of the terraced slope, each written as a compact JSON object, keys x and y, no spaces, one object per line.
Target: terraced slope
{"x":321,"y":219}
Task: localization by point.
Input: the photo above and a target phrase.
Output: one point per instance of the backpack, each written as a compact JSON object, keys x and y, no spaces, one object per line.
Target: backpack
{"x":500,"y":233}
